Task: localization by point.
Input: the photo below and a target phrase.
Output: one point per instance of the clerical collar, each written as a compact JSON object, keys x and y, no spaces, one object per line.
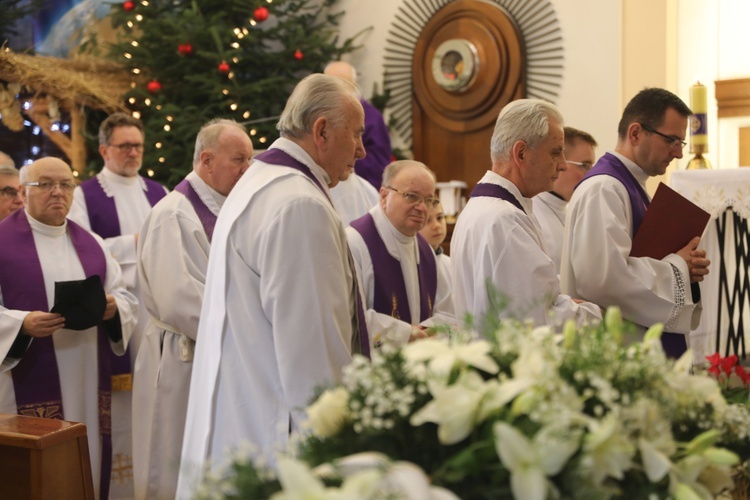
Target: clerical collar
{"x":46,"y":229}
{"x":119,"y":179}
{"x":556,"y":195}
{"x":640,"y":175}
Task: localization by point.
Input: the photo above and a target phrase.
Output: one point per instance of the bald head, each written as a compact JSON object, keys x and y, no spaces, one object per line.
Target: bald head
{"x":342,"y":70}
{"x":6,"y":160}
{"x":49,"y":201}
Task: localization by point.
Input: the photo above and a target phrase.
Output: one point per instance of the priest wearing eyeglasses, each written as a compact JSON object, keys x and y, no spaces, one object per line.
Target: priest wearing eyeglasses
{"x":10,"y":193}
{"x":56,"y":364}
{"x":114,"y":205}
{"x":497,"y":240}
{"x":605,"y":212}
{"x":404,"y":291}
{"x":549,"y":206}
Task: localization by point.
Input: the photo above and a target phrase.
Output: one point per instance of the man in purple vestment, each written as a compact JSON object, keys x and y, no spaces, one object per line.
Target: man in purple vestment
{"x":403,"y":289}
{"x":605,"y":212}
{"x":376,"y":139}
{"x":51,"y":367}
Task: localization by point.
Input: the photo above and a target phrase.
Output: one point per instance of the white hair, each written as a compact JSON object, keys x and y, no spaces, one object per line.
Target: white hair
{"x":524,"y":120}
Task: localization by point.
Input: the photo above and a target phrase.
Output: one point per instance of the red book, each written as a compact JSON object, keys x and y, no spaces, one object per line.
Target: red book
{"x":671,"y":221}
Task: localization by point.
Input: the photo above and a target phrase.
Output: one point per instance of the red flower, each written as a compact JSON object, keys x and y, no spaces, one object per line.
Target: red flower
{"x":714,"y":359}
{"x":743,"y":374}
{"x":728,"y":363}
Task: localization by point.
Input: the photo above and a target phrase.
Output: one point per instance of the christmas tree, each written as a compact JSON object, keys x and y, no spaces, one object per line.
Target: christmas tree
{"x":192,"y":61}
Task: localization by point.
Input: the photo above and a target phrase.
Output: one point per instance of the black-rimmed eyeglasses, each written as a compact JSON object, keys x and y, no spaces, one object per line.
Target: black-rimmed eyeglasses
{"x":672,"y":140}
{"x":126,"y":147}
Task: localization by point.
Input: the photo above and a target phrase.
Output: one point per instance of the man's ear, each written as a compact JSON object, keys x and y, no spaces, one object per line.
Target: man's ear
{"x":103,"y":152}
{"x":519,"y":150}
{"x":320,"y":131}
{"x":205,"y":159}
{"x":634,"y":131}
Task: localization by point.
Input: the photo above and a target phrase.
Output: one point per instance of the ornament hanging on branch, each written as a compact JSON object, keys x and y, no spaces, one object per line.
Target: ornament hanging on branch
{"x":128,"y":5}
{"x":298,"y":55}
{"x":185,"y":49}
{"x":260,"y":14}
{"x":153,"y":86}
{"x":224,"y":67}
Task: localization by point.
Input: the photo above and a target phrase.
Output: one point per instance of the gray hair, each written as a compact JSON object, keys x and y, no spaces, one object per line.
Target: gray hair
{"x":209,"y":134}
{"x":6,"y":160}
{"x":8,"y":170}
{"x":524,"y":120}
{"x":315,"y":96}
{"x":392,"y":170}
{"x":117,"y":120}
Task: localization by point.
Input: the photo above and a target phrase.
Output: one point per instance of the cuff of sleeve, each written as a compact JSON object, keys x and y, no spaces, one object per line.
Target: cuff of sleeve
{"x":19,"y":346}
{"x":113,"y":328}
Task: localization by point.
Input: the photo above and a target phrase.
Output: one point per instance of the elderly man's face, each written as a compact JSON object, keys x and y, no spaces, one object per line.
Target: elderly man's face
{"x":49,"y":201}
{"x":10,"y":195}
{"x":124,"y":153}
{"x":545,"y":162}
{"x":344,"y":143}
{"x":226,"y":162}
{"x":404,"y":201}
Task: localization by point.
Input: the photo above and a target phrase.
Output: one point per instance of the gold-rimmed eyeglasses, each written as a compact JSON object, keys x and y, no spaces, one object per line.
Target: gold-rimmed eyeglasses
{"x":415,"y":199}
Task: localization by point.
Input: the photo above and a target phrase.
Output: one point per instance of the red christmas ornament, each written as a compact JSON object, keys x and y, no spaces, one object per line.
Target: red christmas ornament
{"x":298,"y":55}
{"x":129,"y":5}
{"x":153,"y":86}
{"x":224,"y":67}
{"x":260,"y":14}
{"x":185,"y":49}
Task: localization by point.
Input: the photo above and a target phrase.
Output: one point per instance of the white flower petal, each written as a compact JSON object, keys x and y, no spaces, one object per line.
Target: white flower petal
{"x":528,"y":484}
{"x":655,"y":463}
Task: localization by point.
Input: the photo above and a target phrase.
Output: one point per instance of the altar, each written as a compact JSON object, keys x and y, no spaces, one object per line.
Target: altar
{"x":725,"y":293}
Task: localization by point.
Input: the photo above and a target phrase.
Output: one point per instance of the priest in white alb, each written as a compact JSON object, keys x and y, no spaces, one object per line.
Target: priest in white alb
{"x":497,"y":241}
{"x":46,"y":369}
{"x":606,"y":211}
{"x":281,"y":311}
{"x":114,"y":204}
{"x":173,"y":252}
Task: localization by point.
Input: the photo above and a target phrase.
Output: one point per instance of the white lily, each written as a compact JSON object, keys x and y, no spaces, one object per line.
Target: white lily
{"x":607,"y":450}
{"x":655,"y":463}
{"x":531,"y":461}
{"x":442,"y":356}
{"x":454,"y":408}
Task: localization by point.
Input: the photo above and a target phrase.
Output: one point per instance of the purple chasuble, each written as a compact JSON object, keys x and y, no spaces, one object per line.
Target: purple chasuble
{"x":36,"y":379}
{"x":275,"y":156}
{"x":377,"y":143}
{"x":496,"y":191}
{"x":205,"y":215}
{"x":389,"y":288}
{"x":674,"y":344}
{"x":103,"y":218}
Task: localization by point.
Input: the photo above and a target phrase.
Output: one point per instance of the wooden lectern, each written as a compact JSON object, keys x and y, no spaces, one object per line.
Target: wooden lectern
{"x":42,"y":458}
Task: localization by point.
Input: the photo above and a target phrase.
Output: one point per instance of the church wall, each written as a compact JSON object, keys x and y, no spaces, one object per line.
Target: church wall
{"x":612,"y":50}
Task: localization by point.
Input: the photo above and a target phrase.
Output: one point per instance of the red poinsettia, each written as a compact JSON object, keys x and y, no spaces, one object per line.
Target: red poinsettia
{"x":722,"y":368}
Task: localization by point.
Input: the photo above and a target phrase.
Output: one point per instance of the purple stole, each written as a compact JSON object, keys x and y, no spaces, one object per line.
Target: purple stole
{"x":610,"y":165}
{"x":104,"y":222}
{"x":389,"y":287}
{"x":207,"y":218}
{"x":36,"y":379}
{"x":275,"y":156}
{"x":496,"y":191}
{"x":674,"y":344}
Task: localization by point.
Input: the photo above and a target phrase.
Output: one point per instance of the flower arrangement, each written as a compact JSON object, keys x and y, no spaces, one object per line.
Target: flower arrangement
{"x":522,"y":412}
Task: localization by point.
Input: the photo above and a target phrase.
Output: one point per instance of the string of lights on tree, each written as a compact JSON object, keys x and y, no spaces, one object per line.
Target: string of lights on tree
{"x":191,"y":62}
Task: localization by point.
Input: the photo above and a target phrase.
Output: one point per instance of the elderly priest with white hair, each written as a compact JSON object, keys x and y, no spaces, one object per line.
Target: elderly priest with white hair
{"x":50,"y":366}
{"x":281,"y":311}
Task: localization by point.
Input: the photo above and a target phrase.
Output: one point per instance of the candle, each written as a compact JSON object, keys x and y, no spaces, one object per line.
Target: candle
{"x":698,"y":125}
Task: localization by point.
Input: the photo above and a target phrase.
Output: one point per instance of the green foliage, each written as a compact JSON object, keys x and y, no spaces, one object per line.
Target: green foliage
{"x":263,"y":68}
